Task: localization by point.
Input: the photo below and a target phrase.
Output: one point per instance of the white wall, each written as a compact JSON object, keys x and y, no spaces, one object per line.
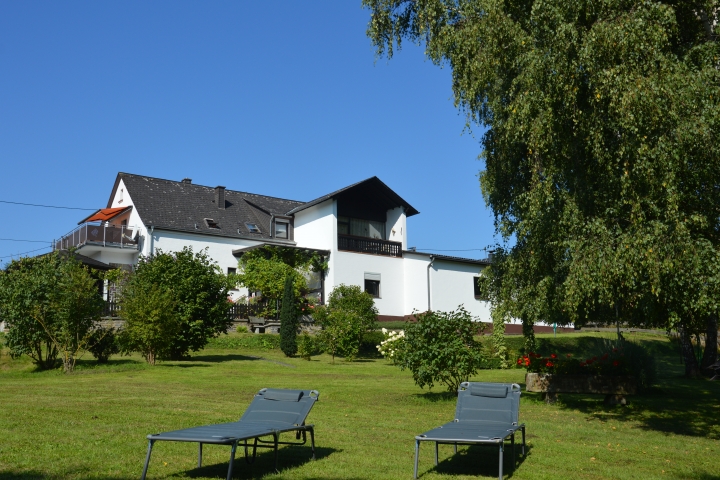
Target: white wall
{"x":415,"y":288}
{"x":397,"y":222}
{"x":350,"y":269}
{"x":316,"y":227}
{"x":452,"y":285}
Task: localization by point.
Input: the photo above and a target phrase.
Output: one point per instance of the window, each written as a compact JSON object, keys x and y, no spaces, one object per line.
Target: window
{"x":281,"y":230}
{"x":232,"y":271}
{"x":361,"y":228}
{"x":211,"y":223}
{"x":476,"y":289}
{"x":252,"y":227}
{"x":372,"y":284}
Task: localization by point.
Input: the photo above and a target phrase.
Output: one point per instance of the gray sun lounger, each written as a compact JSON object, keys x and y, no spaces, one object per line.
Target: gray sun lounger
{"x":272,"y":412}
{"x":486,"y":414}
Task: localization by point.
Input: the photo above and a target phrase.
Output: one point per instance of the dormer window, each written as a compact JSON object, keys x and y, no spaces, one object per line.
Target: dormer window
{"x":281,"y":230}
{"x":252,"y":227}
{"x":212,"y":223}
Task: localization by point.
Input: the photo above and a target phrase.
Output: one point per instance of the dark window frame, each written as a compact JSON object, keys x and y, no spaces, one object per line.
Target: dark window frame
{"x":287,"y":230}
{"x":210,"y":223}
{"x":374,"y":289}
{"x":476,"y":290}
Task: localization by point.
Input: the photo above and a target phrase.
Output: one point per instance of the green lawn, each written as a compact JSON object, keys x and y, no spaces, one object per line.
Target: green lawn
{"x":93,"y":424}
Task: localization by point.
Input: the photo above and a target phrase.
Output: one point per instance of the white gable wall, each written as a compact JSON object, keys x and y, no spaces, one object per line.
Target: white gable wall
{"x":452,"y":285}
{"x":396,"y":226}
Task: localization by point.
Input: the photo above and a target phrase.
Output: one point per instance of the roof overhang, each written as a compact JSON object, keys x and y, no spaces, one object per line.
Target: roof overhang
{"x":105,"y":214}
{"x":448,"y":258}
{"x":371,"y":192}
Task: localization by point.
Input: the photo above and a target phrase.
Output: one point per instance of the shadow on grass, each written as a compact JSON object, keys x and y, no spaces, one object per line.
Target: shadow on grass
{"x":437,"y":396}
{"x":289,"y":457}
{"x":220,"y":358}
{"x":475,"y":460}
{"x":677,"y":405}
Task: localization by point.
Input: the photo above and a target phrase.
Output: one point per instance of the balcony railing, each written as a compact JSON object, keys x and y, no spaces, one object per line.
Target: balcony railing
{"x":374,"y":246}
{"x":120,"y":236}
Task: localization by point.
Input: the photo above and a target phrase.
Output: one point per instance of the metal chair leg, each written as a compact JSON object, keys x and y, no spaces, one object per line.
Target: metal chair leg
{"x":275,"y":437}
{"x":500,"y":476}
{"x":455,"y":447}
{"x":417,"y":454}
{"x":232,"y":460}
{"x":512,"y":442}
{"x":200,"y":455}
{"x":147,"y":459}
{"x":523,"y":436}
{"x":436,"y":453}
{"x":312,"y":441}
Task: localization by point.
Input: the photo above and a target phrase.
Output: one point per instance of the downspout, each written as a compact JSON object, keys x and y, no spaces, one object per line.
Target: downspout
{"x":152,"y":240}
{"x":432,"y":259}
{"x":272,"y":230}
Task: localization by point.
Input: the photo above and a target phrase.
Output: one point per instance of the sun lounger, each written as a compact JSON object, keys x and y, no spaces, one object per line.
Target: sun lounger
{"x":486,"y":414}
{"x":272,"y":412}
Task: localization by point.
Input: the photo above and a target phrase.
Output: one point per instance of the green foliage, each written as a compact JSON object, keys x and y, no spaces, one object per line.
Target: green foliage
{"x":350,"y":313}
{"x":103,"y":344}
{"x":49,"y":303}
{"x":265,"y":269}
{"x":151,"y":320}
{"x":308,"y":346}
{"x":242,"y":329}
{"x":289,"y":319}
{"x":263,"y":341}
{"x":197,"y":291}
{"x":440,"y":347}
{"x":601,"y":153}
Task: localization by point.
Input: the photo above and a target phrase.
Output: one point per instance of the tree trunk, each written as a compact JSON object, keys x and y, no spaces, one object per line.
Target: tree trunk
{"x":710,"y":355}
{"x":692,"y":369}
{"x":529,"y":335}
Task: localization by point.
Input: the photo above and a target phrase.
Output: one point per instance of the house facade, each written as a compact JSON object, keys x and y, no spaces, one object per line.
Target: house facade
{"x":360,"y":229}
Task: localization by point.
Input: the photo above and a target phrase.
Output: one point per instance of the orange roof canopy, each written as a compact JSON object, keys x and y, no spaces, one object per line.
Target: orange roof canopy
{"x":104,"y":214}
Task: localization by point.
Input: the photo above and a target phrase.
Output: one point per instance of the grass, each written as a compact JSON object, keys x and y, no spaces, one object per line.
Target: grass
{"x":92,"y":424}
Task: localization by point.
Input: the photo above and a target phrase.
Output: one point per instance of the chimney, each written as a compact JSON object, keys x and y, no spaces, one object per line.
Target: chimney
{"x":186,"y":180}
{"x":220,"y":197}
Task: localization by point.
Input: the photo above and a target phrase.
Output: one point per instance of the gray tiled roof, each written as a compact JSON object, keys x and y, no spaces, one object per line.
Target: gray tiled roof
{"x":172,"y":205}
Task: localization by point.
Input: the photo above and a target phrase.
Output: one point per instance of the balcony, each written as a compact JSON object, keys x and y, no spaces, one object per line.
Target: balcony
{"x":373,"y":246}
{"x":117,"y":236}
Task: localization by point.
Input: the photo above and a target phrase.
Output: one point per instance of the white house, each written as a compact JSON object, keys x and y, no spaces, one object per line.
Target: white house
{"x":362,"y":229}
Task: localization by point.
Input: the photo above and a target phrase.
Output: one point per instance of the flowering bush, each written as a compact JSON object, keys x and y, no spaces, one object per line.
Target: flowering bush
{"x":392,"y":345}
{"x":610,"y":363}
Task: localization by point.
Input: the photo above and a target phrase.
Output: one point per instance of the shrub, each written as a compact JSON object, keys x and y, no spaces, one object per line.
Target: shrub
{"x":242,"y":329}
{"x":103,"y":344}
{"x":350,"y":313}
{"x":308,"y":346}
{"x":440,"y":348}
{"x":392,"y":344}
{"x":288,"y":319}
{"x":197,"y":291}
{"x":151,"y":322}
{"x":50,"y":304}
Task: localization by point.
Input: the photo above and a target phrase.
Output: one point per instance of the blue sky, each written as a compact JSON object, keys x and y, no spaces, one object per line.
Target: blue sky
{"x":276,"y":98}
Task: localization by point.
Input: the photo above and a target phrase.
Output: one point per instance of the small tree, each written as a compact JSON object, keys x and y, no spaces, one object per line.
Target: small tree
{"x":349,"y":314}
{"x":440,"y":347}
{"x":289,"y":319}
{"x":151,"y":322}
{"x":198,"y":294}
{"x":49,"y":303}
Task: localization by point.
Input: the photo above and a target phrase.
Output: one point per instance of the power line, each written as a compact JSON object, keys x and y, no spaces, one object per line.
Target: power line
{"x":46,"y":206}
{"x":17,"y":240}
{"x":23,"y":253}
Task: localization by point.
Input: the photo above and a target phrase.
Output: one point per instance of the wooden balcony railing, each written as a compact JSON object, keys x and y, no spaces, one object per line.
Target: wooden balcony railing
{"x":373,"y":246}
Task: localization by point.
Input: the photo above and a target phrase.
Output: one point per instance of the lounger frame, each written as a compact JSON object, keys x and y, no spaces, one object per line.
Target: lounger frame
{"x":255,"y":429}
{"x":479,"y":422}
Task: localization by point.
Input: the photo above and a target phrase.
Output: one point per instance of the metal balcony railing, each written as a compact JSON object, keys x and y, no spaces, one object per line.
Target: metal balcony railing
{"x":373,"y":246}
{"x":119,"y":236}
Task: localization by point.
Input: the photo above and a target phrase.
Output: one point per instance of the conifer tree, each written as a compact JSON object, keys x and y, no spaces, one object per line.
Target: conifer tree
{"x":288,"y":320}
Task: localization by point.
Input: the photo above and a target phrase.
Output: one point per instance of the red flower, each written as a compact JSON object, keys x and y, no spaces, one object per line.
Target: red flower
{"x":569,"y":355}
{"x":527,"y":362}
{"x":616,"y":363}
{"x":589,"y":361}
{"x":553,"y":355}
{"x":582,"y":364}
{"x":520,"y":361}
{"x":549,"y":364}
